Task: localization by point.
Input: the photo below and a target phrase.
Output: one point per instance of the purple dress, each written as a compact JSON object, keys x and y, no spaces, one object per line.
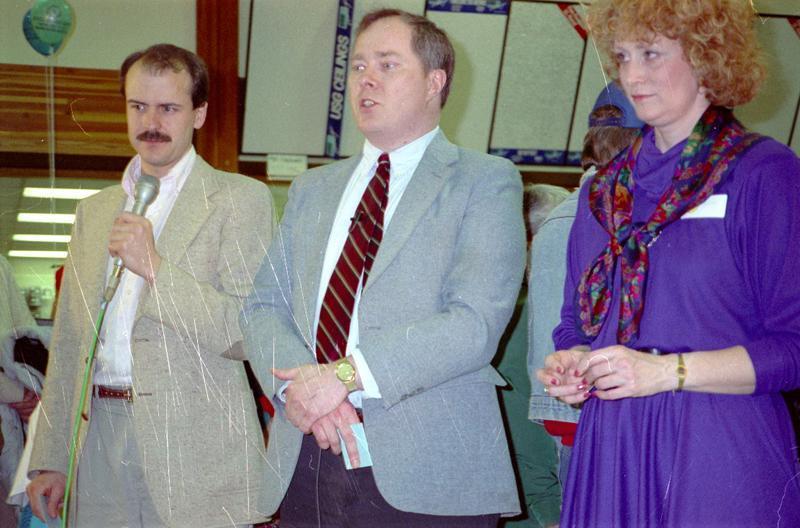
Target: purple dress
{"x":729,"y":277}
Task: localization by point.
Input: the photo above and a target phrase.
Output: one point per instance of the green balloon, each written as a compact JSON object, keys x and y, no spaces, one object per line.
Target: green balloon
{"x":51,"y":20}
{"x":34,"y":40}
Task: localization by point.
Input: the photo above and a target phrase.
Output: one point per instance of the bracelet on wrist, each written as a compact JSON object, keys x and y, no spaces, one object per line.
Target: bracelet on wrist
{"x":681,"y":372}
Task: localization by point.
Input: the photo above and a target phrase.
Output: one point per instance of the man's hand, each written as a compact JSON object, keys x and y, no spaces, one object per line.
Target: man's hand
{"x":315,"y":391}
{"x":26,"y":406}
{"x":329,"y":428}
{"x":49,"y":484}
{"x":132,"y":240}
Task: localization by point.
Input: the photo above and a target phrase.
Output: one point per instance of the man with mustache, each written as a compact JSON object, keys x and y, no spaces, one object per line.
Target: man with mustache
{"x":170,"y":435}
{"x":384,"y":296}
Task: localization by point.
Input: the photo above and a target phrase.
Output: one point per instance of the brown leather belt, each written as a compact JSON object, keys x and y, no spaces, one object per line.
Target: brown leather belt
{"x":101,"y":391}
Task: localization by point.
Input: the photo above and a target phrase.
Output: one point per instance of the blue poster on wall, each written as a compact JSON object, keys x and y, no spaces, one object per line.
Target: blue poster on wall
{"x":487,"y":7}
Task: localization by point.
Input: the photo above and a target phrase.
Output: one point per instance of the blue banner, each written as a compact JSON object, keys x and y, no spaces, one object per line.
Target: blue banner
{"x":341,"y":58}
{"x":485,"y":7}
{"x":539,"y":157}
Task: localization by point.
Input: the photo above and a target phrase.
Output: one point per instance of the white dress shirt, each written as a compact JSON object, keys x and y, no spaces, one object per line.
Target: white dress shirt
{"x":114,"y":358}
{"x":403,"y":162}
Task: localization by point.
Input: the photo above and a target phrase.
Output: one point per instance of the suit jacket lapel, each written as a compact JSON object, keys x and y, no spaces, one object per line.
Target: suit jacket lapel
{"x":436,"y":166}
{"x":97,"y":230}
{"x":189,"y":213}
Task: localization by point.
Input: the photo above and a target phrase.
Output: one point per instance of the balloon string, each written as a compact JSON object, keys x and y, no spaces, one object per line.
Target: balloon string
{"x":51,"y":128}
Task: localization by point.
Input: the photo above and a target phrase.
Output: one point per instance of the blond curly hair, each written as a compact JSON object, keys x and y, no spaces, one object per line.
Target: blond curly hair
{"x":717,"y":37}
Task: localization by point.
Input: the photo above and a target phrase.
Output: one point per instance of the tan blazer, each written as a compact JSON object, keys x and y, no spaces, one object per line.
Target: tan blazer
{"x":194,"y":414}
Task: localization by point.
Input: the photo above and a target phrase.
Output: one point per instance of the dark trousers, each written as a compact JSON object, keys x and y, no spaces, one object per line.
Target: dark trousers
{"x":325,"y":494}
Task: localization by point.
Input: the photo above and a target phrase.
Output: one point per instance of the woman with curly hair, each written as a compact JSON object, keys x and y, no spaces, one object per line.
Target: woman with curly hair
{"x":681,"y":320}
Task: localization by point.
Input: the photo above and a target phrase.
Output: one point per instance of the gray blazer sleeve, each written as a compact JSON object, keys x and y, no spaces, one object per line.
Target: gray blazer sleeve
{"x":267,"y":319}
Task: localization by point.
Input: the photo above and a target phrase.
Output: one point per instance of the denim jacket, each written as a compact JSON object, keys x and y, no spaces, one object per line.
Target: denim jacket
{"x":545,"y":295}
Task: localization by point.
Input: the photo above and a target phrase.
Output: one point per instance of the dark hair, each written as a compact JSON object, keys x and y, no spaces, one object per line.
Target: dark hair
{"x":602,"y":143}
{"x":431,"y":44}
{"x":160,"y":57}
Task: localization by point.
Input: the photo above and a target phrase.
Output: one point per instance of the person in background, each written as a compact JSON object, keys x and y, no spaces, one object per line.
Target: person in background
{"x":532,"y":450}
{"x":612,"y":126}
{"x":387,"y":289}
{"x":681,"y":318}
{"x":172,"y":437}
{"x":16,"y":321}
{"x":14,"y":312}
{"x":18,"y":394}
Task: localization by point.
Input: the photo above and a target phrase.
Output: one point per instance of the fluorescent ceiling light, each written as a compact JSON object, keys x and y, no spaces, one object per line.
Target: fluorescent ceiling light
{"x":65,"y":194}
{"x":64,"y":239}
{"x":46,"y":218}
{"x":37,"y":254}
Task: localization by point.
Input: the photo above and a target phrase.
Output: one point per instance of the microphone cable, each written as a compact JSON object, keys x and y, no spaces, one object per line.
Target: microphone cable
{"x":87,"y":374}
{"x":146,"y":191}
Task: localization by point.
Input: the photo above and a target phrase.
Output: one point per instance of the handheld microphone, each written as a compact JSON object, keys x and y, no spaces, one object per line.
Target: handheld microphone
{"x":144,"y":194}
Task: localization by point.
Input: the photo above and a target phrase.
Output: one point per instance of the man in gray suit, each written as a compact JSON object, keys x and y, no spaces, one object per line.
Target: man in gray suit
{"x":172,"y":437}
{"x":388,"y":304}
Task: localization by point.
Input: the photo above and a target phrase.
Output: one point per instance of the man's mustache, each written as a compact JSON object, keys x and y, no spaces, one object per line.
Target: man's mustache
{"x":153,"y":136}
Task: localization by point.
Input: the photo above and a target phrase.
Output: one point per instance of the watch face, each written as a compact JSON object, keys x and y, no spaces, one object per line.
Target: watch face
{"x":345,"y":371}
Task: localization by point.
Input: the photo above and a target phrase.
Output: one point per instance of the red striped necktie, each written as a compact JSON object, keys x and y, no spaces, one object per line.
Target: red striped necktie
{"x":355,"y":262}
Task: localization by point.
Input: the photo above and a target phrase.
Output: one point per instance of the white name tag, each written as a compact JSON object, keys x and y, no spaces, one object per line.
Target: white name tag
{"x":714,"y":207}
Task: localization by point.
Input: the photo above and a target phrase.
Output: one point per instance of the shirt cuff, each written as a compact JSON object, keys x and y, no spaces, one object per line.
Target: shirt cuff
{"x":371,"y":389}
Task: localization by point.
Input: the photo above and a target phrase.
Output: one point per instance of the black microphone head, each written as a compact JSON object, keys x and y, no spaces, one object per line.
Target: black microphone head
{"x":145,"y":193}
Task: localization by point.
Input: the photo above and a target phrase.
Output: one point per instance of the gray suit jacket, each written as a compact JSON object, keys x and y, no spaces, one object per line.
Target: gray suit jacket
{"x":440,"y":293}
{"x":194,"y":414}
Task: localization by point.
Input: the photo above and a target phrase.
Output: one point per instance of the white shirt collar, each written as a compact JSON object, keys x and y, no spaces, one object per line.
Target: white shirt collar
{"x":409,"y":154}
{"x":170,"y":181}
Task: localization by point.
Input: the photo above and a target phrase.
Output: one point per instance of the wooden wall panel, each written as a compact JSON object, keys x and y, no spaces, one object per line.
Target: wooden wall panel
{"x":218,"y":43}
{"x":89,"y":111}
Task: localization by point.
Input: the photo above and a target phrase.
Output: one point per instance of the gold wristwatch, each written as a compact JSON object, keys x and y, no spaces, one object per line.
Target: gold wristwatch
{"x":346,"y":373}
